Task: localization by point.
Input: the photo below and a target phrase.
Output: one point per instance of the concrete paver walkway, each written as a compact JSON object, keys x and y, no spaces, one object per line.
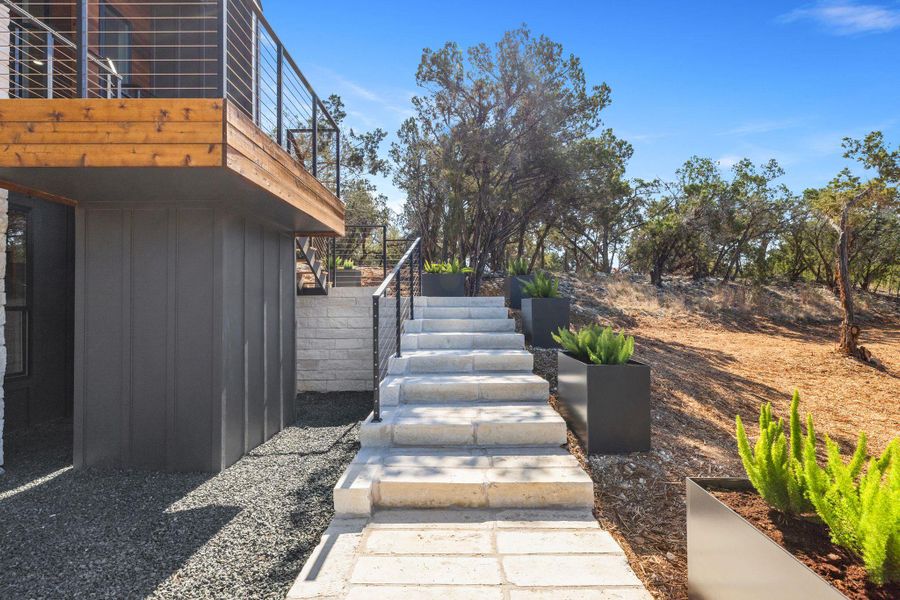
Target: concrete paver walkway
{"x":464,"y":489}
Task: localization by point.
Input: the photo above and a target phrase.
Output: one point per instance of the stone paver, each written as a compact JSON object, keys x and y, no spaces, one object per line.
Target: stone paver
{"x":465,"y":485}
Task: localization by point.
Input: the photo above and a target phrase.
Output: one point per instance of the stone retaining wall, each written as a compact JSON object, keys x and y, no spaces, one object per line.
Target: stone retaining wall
{"x":334,"y":341}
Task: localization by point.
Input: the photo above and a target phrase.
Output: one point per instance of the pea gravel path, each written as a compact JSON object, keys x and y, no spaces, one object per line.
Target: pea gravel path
{"x":244,"y":533}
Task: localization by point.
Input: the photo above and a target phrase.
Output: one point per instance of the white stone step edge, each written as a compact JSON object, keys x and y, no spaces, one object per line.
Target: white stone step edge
{"x":378,"y":478}
{"x":472,"y":424}
{"x":462,"y":341}
{"x":460,"y":361}
{"x":459,"y":325}
{"x":497,"y":386}
{"x":460,"y":301}
{"x":462,"y":312}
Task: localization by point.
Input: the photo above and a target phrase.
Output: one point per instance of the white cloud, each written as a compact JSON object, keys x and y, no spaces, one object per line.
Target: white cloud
{"x":727,"y":161}
{"x":766,"y":126}
{"x":843,"y":17}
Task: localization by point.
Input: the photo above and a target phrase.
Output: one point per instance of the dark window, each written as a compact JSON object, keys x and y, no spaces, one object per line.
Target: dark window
{"x":115,"y":45}
{"x":17,"y":293}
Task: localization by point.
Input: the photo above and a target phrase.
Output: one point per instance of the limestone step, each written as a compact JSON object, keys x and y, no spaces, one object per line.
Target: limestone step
{"x":466,"y":424}
{"x":495,"y":477}
{"x":497,"y":386}
{"x":466,"y":301}
{"x":459,"y":325}
{"x":462,"y":341}
{"x":461,"y":361}
{"x":462,"y":312}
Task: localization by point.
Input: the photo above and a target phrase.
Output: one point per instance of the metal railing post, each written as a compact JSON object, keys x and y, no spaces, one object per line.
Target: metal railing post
{"x":279,"y":93}
{"x":337,"y":163}
{"x":222,"y":29}
{"x":384,"y":251}
{"x":398,"y":325}
{"x":81,"y":49}
{"x":333,"y":264}
{"x":315,"y":135}
{"x":419,"y":265}
{"x":376,"y":364}
{"x":412,"y":290}
{"x":49,"y":65}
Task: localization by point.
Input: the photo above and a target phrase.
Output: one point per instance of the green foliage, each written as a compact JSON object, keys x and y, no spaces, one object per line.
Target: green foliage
{"x":541,"y":286}
{"x":861,"y":510}
{"x":776,"y":468}
{"x":596,"y":345}
{"x":344,"y":263}
{"x":453,"y":267}
{"x":518,"y":266}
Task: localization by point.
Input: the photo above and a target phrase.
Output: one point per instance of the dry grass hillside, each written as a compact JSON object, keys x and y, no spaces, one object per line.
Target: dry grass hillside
{"x":717,"y":351}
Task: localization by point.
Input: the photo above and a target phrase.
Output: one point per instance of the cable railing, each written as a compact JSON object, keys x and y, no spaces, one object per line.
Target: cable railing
{"x":169,"y":49}
{"x":392,"y":304}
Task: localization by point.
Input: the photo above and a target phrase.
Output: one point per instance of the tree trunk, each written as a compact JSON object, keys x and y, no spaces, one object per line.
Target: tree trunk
{"x":848,"y":343}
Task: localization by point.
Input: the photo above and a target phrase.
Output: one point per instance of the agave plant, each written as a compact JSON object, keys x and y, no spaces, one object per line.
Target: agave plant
{"x":596,"y":345}
{"x":517,"y":266}
{"x":344,"y":263}
{"x":541,"y":286}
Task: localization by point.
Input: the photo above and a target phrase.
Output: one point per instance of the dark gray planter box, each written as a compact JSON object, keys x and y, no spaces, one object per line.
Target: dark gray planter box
{"x":514,"y":287}
{"x":730,"y":559}
{"x":347,"y":278}
{"x":541,"y":317}
{"x":606,"y":406}
{"x":444,"y":284}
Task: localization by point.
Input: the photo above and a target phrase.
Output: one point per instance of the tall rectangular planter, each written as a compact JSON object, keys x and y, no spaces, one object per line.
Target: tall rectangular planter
{"x":347,"y":278}
{"x":514,"y":287}
{"x":606,"y":406}
{"x":730,"y":559}
{"x":444,"y":284}
{"x":541,"y":317}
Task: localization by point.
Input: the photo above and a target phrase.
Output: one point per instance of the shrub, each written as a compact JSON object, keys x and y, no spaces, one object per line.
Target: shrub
{"x":596,"y":345}
{"x":774,"y":467}
{"x":452,"y":267}
{"x":517,"y":266}
{"x":542,"y":286}
{"x":344,"y":263}
{"x":862,"y":512}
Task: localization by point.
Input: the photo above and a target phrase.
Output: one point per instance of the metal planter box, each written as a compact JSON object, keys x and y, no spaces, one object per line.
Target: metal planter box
{"x":541,"y":317}
{"x":730,"y":559}
{"x":606,"y":406}
{"x":514,"y":287}
{"x":347,"y":278}
{"x":444,"y":284}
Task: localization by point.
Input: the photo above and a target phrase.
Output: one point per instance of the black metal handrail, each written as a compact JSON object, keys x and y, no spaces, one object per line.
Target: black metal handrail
{"x":386,"y":336}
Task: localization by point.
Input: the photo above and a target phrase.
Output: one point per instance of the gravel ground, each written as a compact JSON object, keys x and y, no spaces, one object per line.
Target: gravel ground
{"x":243,"y":533}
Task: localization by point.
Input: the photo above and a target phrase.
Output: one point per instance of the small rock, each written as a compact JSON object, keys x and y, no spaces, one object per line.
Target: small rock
{"x":670,"y":556}
{"x":832,"y":556}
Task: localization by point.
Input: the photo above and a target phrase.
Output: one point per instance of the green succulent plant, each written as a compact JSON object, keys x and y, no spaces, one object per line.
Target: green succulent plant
{"x":597,"y":345}
{"x":541,"y":286}
{"x":517,"y":266}
{"x":344,"y":263}
{"x":453,"y":267}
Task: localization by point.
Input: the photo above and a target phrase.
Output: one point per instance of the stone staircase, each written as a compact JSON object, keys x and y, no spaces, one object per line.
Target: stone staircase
{"x":465,"y":422}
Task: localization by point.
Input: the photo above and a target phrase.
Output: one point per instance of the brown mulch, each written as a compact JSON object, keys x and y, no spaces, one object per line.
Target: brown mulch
{"x":716,"y":352}
{"x":808,"y":541}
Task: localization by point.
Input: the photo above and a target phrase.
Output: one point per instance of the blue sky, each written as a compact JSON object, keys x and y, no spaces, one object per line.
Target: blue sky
{"x":724,"y":79}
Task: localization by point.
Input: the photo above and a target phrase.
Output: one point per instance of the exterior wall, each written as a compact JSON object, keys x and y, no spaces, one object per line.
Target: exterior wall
{"x":334,"y":340}
{"x":4,"y":220}
{"x":184,"y":355}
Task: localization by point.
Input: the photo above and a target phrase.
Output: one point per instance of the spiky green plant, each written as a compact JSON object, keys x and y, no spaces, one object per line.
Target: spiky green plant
{"x":596,"y":345}
{"x":861,"y":510}
{"x":774,"y":467}
{"x":453,"y":267}
{"x":347,"y":264}
{"x":518,"y":266}
{"x":541,"y":286}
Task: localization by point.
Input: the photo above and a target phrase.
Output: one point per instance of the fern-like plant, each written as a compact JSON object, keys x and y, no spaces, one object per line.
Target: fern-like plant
{"x":775,"y":467}
{"x":596,"y":345}
{"x":541,"y":286}
{"x":453,"y":267}
{"x":517,"y":266}
{"x":861,"y":510}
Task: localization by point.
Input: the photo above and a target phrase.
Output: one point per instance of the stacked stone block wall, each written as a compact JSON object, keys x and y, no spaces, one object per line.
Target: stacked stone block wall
{"x":334,"y":341}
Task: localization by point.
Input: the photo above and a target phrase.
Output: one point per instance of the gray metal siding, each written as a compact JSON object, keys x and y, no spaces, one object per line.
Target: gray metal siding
{"x":184,"y":313}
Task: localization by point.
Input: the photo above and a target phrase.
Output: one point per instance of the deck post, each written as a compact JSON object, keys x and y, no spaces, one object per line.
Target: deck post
{"x":222,"y":34}
{"x":81,"y":49}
